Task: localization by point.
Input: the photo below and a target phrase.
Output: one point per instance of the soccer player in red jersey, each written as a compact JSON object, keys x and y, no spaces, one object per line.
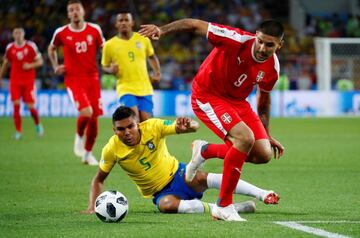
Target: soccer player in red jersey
{"x":239,"y":61}
{"x":23,"y":57}
{"x":80,"y":41}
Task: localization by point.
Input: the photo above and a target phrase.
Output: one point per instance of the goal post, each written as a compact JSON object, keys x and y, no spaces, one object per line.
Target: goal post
{"x":337,"y":59}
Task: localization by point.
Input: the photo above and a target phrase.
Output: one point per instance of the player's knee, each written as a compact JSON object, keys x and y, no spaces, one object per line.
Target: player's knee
{"x":86,"y":112}
{"x":168,"y":205}
{"x":199,"y":183}
{"x":264,"y":157}
{"x":245,"y":140}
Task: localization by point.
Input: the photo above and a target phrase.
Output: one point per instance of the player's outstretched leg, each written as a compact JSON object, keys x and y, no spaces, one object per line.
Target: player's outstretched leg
{"x":198,"y":206}
{"x":245,"y":188}
{"x":196,"y":160}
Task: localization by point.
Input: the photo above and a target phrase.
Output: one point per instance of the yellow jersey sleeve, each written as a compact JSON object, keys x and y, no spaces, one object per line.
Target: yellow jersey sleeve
{"x":108,"y":157}
{"x":149,"y":47}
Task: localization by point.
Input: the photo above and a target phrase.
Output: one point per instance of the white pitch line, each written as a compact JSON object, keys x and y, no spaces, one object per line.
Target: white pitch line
{"x":311,"y":230}
{"x":343,"y":221}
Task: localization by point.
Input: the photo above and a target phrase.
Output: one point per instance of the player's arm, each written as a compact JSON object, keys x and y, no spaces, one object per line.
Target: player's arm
{"x":186,"y":125}
{"x":192,"y":25}
{"x":111,"y":69}
{"x":155,"y":66}
{"x":263,"y":108}
{"x":3,"y":69}
{"x":106,"y":61}
{"x":38,"y":61}
{"x":96,"y":188}
{"x":58,"y":69}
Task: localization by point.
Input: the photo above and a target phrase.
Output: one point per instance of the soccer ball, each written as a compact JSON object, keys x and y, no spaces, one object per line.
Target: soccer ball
{"x":111,"y":206}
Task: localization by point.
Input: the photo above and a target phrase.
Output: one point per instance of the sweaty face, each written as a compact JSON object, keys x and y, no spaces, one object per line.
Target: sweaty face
{"x":124,"y":23}
{"x":128,"y":131}
{"x":18,"y":34}
{"x":75,"y":12}
{"x":265,"y":46}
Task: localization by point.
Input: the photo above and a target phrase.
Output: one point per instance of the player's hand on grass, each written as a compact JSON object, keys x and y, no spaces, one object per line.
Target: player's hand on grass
{"x":277,"y":148}
{"x":88,"y":211}
{"x":151,"y":31}
{"x":59,"y":70}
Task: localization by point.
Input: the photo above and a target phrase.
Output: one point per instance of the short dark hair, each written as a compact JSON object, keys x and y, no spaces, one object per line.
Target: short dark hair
{"x":73,"y":2}
{"x":272,"y":28}
{"x":122,"y":112}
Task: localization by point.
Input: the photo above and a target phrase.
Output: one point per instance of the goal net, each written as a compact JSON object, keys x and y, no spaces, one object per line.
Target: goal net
{"x":337,"y":59}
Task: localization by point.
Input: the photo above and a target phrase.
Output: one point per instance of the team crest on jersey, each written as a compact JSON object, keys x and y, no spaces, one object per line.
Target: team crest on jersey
{"x":150,"y":145}
{"x":260,"y":76}
{"x":138,"y":45}
{"x":226,"y":118}
{"x":20,"y":55}
{"x":89,"y":39}
{"x":69,"y":37}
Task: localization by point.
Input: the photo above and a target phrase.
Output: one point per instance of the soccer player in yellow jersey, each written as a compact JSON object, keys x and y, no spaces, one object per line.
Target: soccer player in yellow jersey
{"x":141,"y":151}
{"x":125,"y":55}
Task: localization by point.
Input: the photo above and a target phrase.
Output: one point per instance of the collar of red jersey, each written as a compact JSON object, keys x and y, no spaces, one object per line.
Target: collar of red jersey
{"x":77,"y":30}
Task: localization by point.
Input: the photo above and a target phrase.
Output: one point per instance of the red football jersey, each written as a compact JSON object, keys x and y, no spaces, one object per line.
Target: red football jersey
{"x":80,"y":47}
{"x":230,"y":70}
{"x":17,"y":56}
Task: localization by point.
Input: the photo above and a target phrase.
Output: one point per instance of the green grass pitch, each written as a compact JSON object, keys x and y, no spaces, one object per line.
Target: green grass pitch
{"x":43,"y":186}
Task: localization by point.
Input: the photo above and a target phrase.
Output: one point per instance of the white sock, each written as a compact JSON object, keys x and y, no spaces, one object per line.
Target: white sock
{"x":242,"y":187}
{"x":194,"y":206}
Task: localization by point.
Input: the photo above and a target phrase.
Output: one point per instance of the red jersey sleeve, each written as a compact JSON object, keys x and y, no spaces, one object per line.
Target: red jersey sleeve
{"x":34,"y":51}
{"x":56,"y":39}
{"x":7,"y":52}
{"x":100,"y":40}
{"x":221,"y":35}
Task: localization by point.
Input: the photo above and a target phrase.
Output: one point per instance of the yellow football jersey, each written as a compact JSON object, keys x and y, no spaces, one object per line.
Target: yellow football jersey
{"x":148,"y":164}
{"x":130,"y":55}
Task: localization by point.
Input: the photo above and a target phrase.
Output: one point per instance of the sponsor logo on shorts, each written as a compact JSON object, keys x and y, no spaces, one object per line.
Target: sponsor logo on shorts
{"x":226,"y":118}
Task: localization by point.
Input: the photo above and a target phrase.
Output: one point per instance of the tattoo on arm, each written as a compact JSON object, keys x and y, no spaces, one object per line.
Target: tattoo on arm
{"x":264,"y":102}
{"x":187,"y":24}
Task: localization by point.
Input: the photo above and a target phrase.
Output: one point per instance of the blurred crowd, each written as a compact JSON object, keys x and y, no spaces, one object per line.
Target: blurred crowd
{"x":180,"y":55}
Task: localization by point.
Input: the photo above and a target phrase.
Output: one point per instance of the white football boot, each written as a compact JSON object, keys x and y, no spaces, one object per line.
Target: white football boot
{"x":245,"y":207}
{"x":79,"y":146}
{"x":227,"y":213}
{"x":196,"y":160}
{"x":89,"y":158}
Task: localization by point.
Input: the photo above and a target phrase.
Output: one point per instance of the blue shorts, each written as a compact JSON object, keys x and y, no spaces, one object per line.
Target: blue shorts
{"x":143,"y":103}
{"x":177,"y":187}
